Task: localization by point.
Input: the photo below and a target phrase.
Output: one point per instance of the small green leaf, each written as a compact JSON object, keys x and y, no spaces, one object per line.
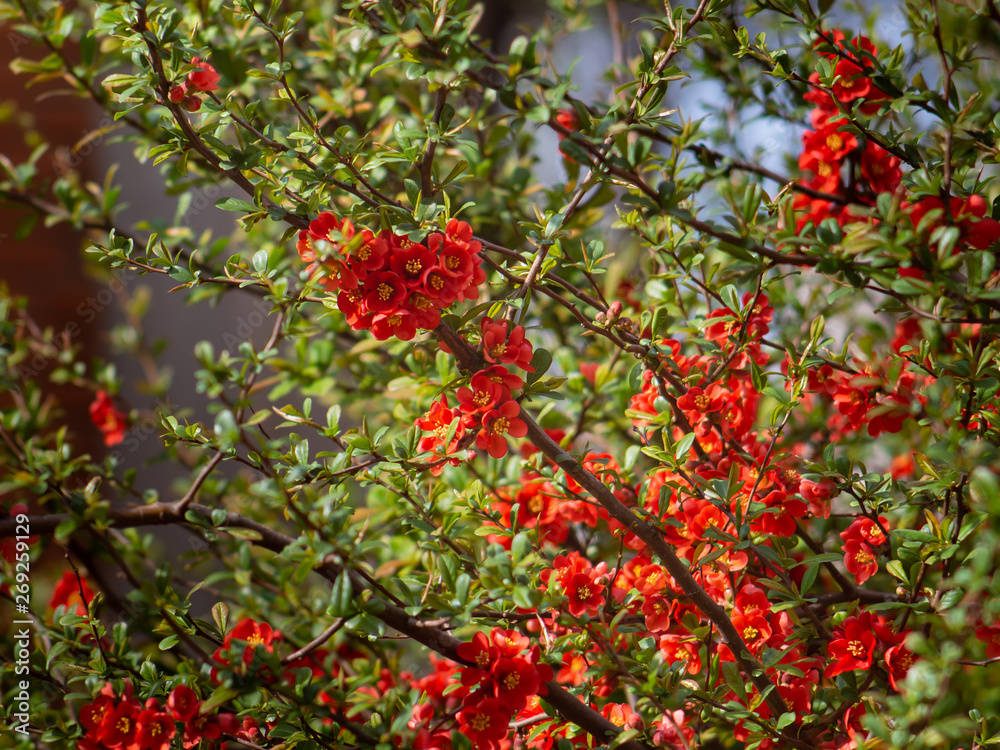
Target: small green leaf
{"x":341,"y":597}
{"x":220,"y":614}
{"x":235,"y":204}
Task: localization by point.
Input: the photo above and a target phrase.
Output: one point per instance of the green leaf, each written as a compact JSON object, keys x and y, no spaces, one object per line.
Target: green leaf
{"x":220,"y":614}
{"x":683,"y":446}
{"x":541,"y":361}
{"x":221,"y":696}
{"x":235,"y":204}
{"x":341,"y":597}
{"x":824,"y":558}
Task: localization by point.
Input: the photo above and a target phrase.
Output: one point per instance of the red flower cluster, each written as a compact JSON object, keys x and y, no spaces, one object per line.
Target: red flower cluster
{"x":203,"y":78}
{"x":245,"y":651}
{"x":975,"y":229}
{"x":506,"y":677}
{"x":861,"y":541}
{"x":487,"y":404}
{"x":858,"y":639}
{"x":67,"y":594}
{"x":868,"y":398}
{"x":126,"y":724}
{"x":826,"y":149}
{"x":441,"y":694}
{"x":851,"y":71}
{"x":111,"y":421}
{"x":387,"y":283}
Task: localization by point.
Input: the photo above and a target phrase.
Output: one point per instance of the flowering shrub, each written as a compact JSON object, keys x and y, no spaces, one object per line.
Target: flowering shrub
{"x":687,"y":447}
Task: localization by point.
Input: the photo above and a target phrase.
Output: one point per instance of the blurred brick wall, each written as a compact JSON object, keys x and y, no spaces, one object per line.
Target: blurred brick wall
{"x":46,"y":266}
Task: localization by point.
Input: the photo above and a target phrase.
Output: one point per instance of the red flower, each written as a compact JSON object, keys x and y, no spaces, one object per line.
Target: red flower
{"x":439,"y":287}
{"x":484,"y":723}
{"x":183,"y":703}
{"x":384,"y":292}
{"x":201,"y":727}
{"x":990,"y":635}
{"x":859,"y":560}
{"x":119,"y":726}
{"x":455,"y":261}
{"x":853,"y":650}
{"x":828,"y":142}
{"x":155,"y":730}
{"x":753,"y":629}
{"x":398,"y":323}
{"x":759,"y":316}
{"x":203,"y":77}
{"x":368,"y":254}
{"x":568,"y":119}
{"x":898,"y":659}
{"x":880,"y":168}
{"x":177,"y":93}
{"x":439,"y":422}
{"x":67,"y":594}
{"x":657,"y":610}
{"x":509,"y":643}
{"x":853,"y":399}
{"x":478,"y":651}
{"x":254,"y":634}
{"x":672,"y":732}
{"x":411,"y":263}
{"x":499,"y":374}
{"x":585,"y":594}
{"x":497,"y":424}
{"x":499,"y":347}
{"x":485,"y":394}
{"x":323,"y":246}
{"x":866,"y":530}
{"x":112,"y":422}
{"x":622,"y":715}
{"x":93,"y":715}
{"x":650,"y":580}
{"x":827,"y":177}
{"x":696,"y":403}
{"x":351,"y":303}
{"x":679,"y":648}
{"x":425,"y":313}
{"x":514,"y":680}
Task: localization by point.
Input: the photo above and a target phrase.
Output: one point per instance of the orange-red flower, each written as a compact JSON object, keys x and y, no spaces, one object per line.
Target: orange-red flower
{"x":484,"y":723}
{"x":204,"y":77}
{"x":854,"y":648}
{"x":497,"y":424}
{"x":67,"y":594}
{"x":111,"y":421}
